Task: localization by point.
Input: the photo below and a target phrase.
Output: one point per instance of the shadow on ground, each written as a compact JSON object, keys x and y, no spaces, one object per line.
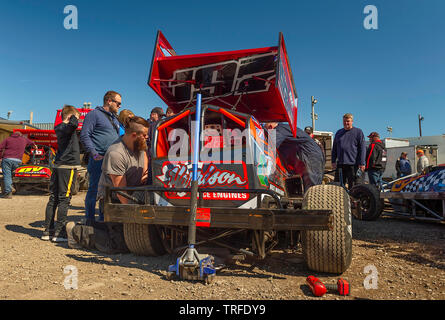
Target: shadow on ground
{"x":418,"y":242}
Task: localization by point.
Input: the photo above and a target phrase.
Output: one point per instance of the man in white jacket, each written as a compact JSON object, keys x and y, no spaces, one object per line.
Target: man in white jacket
{"x":423,"y":162}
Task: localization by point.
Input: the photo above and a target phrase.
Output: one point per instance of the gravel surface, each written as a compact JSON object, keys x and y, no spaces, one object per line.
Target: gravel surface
{"x":393,"y":259}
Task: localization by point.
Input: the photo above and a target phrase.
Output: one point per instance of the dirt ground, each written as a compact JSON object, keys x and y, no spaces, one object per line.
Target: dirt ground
{"x":393,"y":259}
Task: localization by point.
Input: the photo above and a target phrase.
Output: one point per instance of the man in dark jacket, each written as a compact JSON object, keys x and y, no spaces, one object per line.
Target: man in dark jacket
{"x":156,"y":114}
{"x":348,"y":152}
{"x":63,"y":177}
{"x":375,"y":159}
{"x":403,"y":166}
{"x":300,"y":155}
{"x":11,"y":153}
{"x":100,"y":129}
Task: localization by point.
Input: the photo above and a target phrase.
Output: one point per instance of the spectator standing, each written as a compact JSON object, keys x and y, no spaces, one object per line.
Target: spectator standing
{"x":348,"y":152}
{"x":100,"y":129}
{"x":423,"y":161}
{"x":375,"y":159}
{"x":11,"y":154}
{"x":156,"y":114}
{"x":64,"y":174}
{"x":403,"y":166}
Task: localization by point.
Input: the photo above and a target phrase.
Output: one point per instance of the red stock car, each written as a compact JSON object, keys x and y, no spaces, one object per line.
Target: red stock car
{"x":35,"y":172}
{"x":248,"y":203}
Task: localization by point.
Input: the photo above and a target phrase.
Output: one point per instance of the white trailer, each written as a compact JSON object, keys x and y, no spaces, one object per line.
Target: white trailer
{"x":394,"y":153}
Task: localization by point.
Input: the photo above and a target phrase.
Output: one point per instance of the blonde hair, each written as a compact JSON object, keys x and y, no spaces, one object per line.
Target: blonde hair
{"x":348,"y":116}
{"x":124,"y":116}
{"x":68,"y":110}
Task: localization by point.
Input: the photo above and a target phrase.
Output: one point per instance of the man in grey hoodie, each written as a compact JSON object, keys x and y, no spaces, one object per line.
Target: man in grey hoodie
{"x":100,"y":129}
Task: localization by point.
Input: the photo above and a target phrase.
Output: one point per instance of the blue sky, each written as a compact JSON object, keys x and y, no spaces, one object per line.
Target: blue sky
{"x":385,"y":77}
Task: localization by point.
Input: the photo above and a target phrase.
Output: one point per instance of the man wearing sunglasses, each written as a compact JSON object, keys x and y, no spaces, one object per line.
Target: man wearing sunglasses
{"x":100,"y":129}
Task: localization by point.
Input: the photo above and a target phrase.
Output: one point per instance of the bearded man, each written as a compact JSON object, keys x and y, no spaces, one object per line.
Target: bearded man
{"x":125,"y":163}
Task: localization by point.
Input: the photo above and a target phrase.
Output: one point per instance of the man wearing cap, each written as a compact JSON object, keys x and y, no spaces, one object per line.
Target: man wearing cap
{"x":375,"y":159}
{"x":310,"y":132}
{"x":423,"y":162}
{"x":348,"y":151}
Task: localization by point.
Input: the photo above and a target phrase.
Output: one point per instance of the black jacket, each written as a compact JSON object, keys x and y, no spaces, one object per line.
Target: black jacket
{"x":68,"y":152}
{"x":300,"y":154}
{"x":376,"y":156}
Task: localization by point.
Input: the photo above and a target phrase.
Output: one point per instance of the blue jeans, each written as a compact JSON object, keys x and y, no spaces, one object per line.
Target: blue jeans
{"x":94,"y":171}
{"x":375,"y":177}
{"x":8,"y":168}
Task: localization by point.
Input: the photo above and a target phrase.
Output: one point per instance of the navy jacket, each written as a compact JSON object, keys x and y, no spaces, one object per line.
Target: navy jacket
{"x":349,"y":147}
{"x":97,"y":132}
{"x":300,"y":154}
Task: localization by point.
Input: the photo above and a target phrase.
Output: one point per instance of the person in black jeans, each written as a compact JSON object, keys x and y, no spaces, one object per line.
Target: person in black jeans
{"x":348,"y":152}
{"x":63,"y":177}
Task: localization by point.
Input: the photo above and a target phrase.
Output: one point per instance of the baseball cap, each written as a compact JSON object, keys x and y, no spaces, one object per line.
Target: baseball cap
{"x":308,"y":128}
{"x":373,"y":134}
{"x":419,"y":151}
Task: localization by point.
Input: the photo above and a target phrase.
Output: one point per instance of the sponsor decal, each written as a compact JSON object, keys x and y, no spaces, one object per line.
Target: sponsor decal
{"x":225,"y":196}
{"x":32,"y":171}
{"x":276,"y":189}
{"x":203,"y":217}
{"x":180,"y":176}
{"x":221,"y":79}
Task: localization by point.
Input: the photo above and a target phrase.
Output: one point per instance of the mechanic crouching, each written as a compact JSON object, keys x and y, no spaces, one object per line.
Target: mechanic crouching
{"x":125,"y":164}
{"x":301,"y":155}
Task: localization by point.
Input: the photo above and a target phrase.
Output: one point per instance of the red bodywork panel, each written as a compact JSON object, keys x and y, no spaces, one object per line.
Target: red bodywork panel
{"x":83,"y":113}
{"x":48,"y":137}
{"x":254,"y":81}
{"x":40,"y":137}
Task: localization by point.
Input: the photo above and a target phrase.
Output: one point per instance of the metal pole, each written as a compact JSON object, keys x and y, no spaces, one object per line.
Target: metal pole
{"x":313,"y":114}
{"x":420,"y":125}
{"x":194,"y":190}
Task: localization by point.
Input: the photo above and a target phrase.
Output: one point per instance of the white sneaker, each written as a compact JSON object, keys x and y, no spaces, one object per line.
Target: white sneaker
{"x":59,"y":239}
{"x":45,"y":237}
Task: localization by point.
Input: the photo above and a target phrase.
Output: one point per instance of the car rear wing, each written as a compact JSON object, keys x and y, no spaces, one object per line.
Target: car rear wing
{"x":253,"y":81}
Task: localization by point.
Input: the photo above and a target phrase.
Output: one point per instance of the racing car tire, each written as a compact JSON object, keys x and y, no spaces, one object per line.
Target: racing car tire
{"x":329,"y":251}
{"x":371,"y":206}
{"x":143,"y":240}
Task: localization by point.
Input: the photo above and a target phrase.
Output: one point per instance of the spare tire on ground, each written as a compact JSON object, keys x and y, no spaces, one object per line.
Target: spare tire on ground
{"x":331,"y":250}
